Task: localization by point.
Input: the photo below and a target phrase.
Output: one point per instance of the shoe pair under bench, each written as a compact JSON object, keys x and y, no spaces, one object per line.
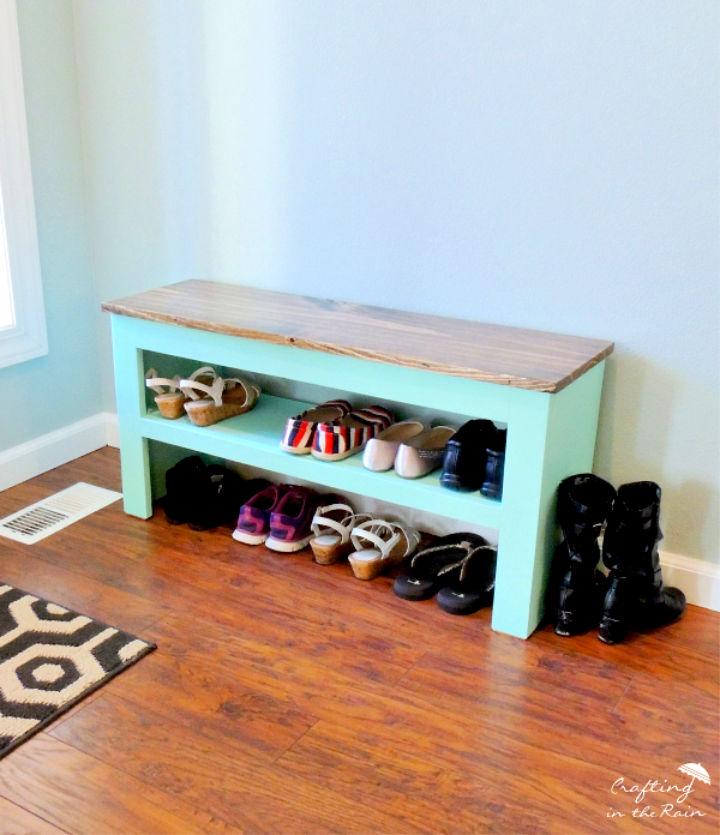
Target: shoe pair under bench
{"x":458,"y":570}
{"x":633,"y":595}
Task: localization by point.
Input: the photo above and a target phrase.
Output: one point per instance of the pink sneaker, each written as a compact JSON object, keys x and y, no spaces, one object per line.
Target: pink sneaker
{"x":291,"y":521}
{"x":253,"y":524}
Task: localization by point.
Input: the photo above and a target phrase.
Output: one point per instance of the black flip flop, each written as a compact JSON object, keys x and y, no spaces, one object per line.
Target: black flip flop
{"x":433,"y":567}
{"x":472,"y":586}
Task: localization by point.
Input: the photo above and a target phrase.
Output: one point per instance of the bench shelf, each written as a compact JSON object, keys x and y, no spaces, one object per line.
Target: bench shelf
{"x":253,"y":439}
{"x":545,"y":387}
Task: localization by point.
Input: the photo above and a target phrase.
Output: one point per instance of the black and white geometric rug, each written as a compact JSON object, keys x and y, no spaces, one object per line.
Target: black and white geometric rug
{"x":50,"y":658}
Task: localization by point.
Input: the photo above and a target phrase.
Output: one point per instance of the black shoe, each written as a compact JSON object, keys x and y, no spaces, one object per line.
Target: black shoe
{"x":464,"y":459}
{"x":473,"y":587}
{"x":636,"y":596}
{"x":218,"y":497}
{"x":433,"y":567}
{"x":182,"y":483}
{"x":583,"y":504}
{"x":494,"y":464}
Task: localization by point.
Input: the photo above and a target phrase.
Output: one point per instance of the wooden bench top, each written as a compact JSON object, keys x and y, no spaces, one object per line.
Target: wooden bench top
{"x":528,"y":359}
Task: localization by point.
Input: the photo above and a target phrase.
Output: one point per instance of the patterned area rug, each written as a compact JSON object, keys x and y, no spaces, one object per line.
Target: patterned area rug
{"x":50,"y":658}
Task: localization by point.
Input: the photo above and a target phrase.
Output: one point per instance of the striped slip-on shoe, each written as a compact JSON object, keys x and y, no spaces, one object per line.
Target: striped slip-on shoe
{"x":343,"y":438}
{"x":300,"y":430}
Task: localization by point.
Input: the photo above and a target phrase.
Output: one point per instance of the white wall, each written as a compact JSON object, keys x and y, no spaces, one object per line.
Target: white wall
{"x":547,"y":164}
{"x":64,"y":386}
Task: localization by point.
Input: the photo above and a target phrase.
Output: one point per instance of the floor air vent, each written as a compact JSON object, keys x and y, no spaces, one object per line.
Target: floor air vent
{"x":46,"y":517}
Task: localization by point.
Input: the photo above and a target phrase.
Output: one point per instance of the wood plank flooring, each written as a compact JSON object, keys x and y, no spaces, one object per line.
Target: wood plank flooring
{"x":289,"y":697}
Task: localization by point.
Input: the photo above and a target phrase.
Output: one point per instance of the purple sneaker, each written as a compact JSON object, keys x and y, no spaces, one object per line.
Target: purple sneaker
{"x":253,"y":524}
{"x":291,"y":521}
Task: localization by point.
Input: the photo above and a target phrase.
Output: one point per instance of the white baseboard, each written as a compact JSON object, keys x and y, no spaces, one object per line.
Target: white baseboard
{"x":700,"y":580}
{"x":112,"y":430}
{"x":24,"y":461}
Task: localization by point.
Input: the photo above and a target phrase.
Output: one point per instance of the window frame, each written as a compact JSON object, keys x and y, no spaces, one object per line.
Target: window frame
{"x":27,"y":338}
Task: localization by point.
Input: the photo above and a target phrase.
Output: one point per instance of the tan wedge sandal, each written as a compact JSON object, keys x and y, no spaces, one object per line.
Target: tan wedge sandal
{"x":169,"y":399}
{"x":225,"y":398}
{"x":332,"y":526}
{"x":379,"y":545}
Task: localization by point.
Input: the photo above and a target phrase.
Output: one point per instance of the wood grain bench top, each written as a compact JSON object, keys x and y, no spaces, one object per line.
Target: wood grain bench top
{"x":528,"y":359}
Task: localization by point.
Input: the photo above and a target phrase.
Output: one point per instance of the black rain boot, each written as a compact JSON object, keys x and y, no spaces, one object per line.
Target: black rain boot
{"x":583,"y":505}
{"x":636,"y":595}
{"x":217,"y":499}
{"x":182,"y":483}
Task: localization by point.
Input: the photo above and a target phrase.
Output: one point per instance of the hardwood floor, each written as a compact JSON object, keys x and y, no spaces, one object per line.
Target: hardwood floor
{"x":288,"y":697}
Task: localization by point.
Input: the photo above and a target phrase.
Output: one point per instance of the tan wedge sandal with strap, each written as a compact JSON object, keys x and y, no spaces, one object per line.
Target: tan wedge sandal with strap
{"x":169,"y":399}
{"x":225,"y":398}
{"x":379,"y":545}
{"x":332,"y":526}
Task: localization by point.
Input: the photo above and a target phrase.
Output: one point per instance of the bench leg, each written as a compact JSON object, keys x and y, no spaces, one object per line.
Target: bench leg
{"x":550,"y":436}
{"x":130,"y":393}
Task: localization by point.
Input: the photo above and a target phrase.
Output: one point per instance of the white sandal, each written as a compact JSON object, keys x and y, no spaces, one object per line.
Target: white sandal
{"x":168,"y":397}
{"x":332,"y":526}
{"x":389,"y":544}
{"x":225,"y":398}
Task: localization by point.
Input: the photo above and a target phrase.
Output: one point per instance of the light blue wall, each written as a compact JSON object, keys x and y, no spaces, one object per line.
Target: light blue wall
{"x":546,"y":164}
{"x":62,"y":387}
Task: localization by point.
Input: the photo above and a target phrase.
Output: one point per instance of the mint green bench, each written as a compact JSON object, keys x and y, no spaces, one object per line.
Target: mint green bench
{"x":546,"y":387}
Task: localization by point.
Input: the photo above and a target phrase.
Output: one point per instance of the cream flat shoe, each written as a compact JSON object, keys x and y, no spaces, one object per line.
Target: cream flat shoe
{"x":423,"y":453}
{"x":380,"y":452}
